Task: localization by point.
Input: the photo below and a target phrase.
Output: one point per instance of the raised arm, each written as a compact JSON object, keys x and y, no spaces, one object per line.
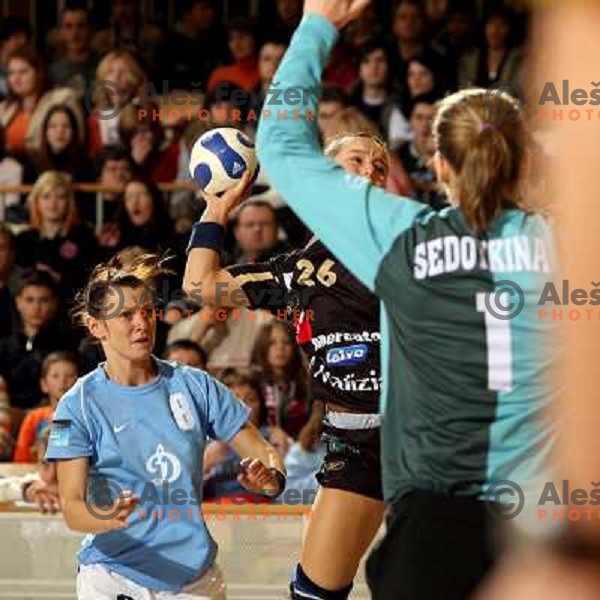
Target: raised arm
{"x":204,"y":279}
{"x":357,"y":221}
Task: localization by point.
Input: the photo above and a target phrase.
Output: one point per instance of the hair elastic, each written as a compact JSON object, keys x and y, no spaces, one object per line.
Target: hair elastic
{"x":487,"y":126}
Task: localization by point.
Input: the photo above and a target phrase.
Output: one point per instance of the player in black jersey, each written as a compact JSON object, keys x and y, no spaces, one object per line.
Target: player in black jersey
{"x":337,"y":325}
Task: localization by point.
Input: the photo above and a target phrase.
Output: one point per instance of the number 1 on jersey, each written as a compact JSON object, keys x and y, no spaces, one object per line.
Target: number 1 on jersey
{"x":499,"y":348}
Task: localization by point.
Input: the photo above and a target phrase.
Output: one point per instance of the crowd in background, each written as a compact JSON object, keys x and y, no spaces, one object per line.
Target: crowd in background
{"x":62,"y":124}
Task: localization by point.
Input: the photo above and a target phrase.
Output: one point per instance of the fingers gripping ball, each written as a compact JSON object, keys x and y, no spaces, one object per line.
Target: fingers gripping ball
{"x":220,"y":157}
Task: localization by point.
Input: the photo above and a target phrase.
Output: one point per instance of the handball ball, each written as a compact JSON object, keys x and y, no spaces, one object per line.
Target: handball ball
{"x":220,"y":157}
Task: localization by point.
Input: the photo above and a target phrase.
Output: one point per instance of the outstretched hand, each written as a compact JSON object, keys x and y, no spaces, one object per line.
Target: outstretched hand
{"x":218,"y":208}
{"x":339,"y":12}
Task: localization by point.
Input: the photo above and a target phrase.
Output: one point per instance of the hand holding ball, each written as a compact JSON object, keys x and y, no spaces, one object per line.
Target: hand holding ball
{"x":219,"y":159}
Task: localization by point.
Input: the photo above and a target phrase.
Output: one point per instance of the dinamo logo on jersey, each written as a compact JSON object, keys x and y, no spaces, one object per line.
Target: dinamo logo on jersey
{"x":347,"y":355}
{"x":165,"y":464}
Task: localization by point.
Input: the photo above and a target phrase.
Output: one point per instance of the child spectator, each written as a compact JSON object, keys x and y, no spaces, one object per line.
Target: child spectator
{"x":186,"y":352}
{"x":284,"y":383}
{"x":40,"y":332}
{"x":56,"y":242}
{"x":243,"y":73}
{"x":59,"y":373}
{"x":62,"y":146}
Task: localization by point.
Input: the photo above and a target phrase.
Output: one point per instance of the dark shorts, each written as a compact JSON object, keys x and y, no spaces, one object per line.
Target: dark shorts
{"x":436,"y":547}
{"x":352,"y":462}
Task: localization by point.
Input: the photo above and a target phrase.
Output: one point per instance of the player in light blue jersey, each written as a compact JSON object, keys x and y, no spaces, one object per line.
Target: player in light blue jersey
{"x":129,"y":440}
{"x":465,"y":356}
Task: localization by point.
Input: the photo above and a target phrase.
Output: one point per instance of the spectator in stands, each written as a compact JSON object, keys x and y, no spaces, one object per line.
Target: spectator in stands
{"x":188,"y":353}
{"x":221,"y":464}
{"x":11,"y":173}
{"x":416,"y":155}
{"x":375,"y":94}
{"x":456,"y":37}
{"x":15,"y":32}
{"x":126,"y":79}
{"x":256,"y":232}
{"x":284,"y":377}
{"x":333,"y":100}
{"x":41,"y":331}
{"x":128,"y":31}
{"x":194,"y":49}
{"x":26,"y":85}
{"x":243,"y":73}
{"x":9,"y":278}
{"x":76,"y":64}
{"x":289,"y":14}
{"x":142,"y":220}
{"x":410,"y":29}
{"x":269,"y":57}
{"x":59,"y":373}
{"x":56,"y":242}
{"x":115,"y":169}
{"x":63,"y":146}
{"x":28,"y":101}
{"x":423,"y":76}
{"x":498,"y":59}
{"x":363,"y":29}
{"x":156,"y":159}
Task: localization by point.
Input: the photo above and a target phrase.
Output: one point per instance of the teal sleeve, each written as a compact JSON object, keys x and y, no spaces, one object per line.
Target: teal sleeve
{"x":358,"y":222}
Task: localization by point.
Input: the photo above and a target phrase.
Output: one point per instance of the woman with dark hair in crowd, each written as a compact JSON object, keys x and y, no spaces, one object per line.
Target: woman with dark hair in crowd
{"x":56,"y":242}
{"x":144,"y":136}
{"x":375,"y":93}
{"x":284,"y":377}
{"x":498,"y":59}
{"x":141,"y":220}
{"x":62,"y":145}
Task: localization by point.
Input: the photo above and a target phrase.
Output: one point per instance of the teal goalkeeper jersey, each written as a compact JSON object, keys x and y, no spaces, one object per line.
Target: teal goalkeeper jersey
{"x":465,"y":378}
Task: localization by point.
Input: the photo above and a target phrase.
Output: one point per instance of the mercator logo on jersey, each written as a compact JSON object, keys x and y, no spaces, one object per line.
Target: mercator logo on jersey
{"x":347,"y":355}
{"x":165,"y":464}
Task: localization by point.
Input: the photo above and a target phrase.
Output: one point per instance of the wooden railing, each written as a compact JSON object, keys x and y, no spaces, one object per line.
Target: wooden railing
{"x":94,"y":188}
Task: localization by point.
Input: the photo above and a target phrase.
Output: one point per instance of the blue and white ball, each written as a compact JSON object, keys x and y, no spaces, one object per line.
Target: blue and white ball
{"x":220,"y":157}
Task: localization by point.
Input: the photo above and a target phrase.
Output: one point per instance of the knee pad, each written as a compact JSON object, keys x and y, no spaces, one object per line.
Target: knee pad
{"x":302,"y":588}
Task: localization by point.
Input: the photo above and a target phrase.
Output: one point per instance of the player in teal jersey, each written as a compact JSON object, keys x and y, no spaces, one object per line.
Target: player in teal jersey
{"x":465,"y":374}
{"x":136,"y":428}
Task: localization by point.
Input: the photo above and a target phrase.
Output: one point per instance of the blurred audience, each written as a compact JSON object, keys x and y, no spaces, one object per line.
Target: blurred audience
{"x":187,"y":353}
{"x":15,"y":32}
{"x":284,"y":382}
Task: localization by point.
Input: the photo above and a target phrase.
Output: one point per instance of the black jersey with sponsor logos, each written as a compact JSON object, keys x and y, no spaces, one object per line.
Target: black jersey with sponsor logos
{"x":336,"y":319}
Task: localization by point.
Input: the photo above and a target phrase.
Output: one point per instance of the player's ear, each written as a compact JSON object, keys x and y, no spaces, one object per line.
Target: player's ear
{"x":97,"y":328}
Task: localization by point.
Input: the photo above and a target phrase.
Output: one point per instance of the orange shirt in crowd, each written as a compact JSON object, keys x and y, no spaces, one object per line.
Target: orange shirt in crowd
{"x":243,"y":74}
{"x":30,"y":428}
{"x":16,"y":131}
